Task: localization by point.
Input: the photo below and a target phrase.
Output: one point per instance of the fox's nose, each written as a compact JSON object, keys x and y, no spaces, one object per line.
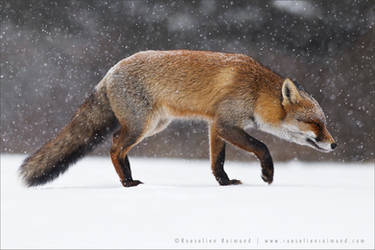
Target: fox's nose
{"x":333,"y":145}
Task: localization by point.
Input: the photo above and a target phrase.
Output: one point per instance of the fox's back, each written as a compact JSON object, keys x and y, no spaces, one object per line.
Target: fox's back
{"x":191,"y":81}
{"x":181,"y":68}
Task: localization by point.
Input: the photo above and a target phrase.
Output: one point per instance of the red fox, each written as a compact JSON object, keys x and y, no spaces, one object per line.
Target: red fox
{"x":143,"y":93}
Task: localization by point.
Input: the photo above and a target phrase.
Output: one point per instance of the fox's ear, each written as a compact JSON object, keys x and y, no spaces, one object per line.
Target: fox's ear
{"x":290,"y":92}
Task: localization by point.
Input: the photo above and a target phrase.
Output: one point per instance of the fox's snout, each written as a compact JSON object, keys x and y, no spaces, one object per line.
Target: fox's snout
{"x":332,"y":143}
{"x":325,"y":144}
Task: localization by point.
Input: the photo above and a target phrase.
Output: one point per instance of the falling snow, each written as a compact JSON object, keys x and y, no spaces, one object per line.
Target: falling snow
{"x":54,"y":53}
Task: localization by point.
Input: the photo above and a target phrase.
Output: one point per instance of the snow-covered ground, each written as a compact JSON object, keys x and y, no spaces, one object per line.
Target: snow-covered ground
{"x":309,"y":205}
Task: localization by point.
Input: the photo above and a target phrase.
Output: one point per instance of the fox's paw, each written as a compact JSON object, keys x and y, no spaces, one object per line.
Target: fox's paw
{"x":131,"y":183}
{"x":229,"y":182}
{"x":267,"y":175}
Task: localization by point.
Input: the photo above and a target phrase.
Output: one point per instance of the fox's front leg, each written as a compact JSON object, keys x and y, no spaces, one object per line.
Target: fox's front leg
{"x":217,"y":157}
{"x":241,"y":139}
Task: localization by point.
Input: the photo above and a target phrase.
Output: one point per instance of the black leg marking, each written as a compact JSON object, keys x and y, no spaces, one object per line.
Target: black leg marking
{"x":218,"y":158}
{"x":128,"y":179}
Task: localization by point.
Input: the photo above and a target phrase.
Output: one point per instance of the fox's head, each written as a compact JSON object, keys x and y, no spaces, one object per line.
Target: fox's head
{"x":303,"y":121}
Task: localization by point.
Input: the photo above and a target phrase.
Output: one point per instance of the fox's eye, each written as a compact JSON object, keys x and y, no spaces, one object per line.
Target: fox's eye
{"x":317,"y":124}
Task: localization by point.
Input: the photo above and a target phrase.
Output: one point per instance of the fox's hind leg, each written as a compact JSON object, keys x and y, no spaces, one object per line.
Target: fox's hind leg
{"x":217,"y":157}
{"x":134,"y":109}
{"x":123,"y":141}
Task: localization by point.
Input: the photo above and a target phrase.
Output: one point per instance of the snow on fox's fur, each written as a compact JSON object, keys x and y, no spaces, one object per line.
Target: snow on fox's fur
{"x":143,"y":93}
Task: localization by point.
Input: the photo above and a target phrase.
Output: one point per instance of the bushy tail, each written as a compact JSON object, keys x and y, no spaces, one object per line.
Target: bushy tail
{"x":89,"y":126}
